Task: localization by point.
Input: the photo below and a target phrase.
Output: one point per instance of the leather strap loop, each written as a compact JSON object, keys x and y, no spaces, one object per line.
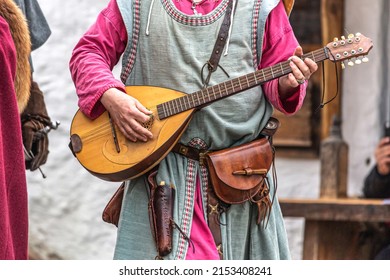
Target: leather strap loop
{"x":212,"y":63}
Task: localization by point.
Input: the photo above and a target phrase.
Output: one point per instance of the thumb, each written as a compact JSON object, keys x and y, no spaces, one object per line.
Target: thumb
{"x":298,"y":51}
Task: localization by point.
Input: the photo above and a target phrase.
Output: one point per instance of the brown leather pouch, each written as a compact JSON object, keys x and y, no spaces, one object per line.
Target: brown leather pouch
{"x":112,"y":211}
{"x":237,"y":174}
{"x":161,"y":214}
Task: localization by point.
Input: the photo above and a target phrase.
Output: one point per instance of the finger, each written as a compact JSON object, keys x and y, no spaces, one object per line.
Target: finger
{"x":140,"y":114}
{"x":28,"y":136}
{"x":135,"y":123}
{"x":298,"y":51}
{"x":313,"y":67}
{"x":384,"y":141}
{"x":134,"y":131}
{"x":297,"y":73}
{"x":128,"y":132}
{"x":142,"y":108}
{"x":300,"y":69}
{"x":38,"y":152}
{"x":45,"y":149}
{"x":293,"y":81}
{"x":384,"y":151}
{"x":141,"y":132}
{"x":41,"y":153}
{"x":384,"y":166}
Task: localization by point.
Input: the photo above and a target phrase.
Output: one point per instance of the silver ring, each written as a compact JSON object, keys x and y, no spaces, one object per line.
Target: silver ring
{"x":301,"y":81}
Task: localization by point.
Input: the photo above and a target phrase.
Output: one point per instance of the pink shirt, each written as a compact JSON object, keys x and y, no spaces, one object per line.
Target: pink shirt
{"x":101,"y":47}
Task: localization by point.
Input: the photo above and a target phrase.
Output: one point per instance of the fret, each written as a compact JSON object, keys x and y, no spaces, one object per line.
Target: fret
{"x":193,"y":102}
{"x":247,"y":81}
{"x":174,"y":107}
{"x":233,"y":88}
{"x":194,"y":99}
{"x":160,"y":114}
{"x":220,"y":92}
{"x":208,"y":94}
{"x":188,"y":102}
{"x":264,"y":79}
{"x":213,"y":88}
{"x":177,"y":105}
{"x":169,"y":108}
{"x":219,"y":88}
{"x":254,"y":75}
{"x":314,"y":59}
{"x":204,"y":100}
{"x":239,"y":83}
{"x":272,"y":72}
{"x":164,"y":109}
{"x":185,"y":105}
{"x":180,"y":101}
{"x":281,"y":67}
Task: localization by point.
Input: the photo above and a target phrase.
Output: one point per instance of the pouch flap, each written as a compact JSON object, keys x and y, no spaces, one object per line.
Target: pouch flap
{"x":242,"y":167}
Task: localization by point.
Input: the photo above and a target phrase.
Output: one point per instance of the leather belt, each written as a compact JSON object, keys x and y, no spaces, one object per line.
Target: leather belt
{"x":190,"y":152}
{"x":198,"y":154}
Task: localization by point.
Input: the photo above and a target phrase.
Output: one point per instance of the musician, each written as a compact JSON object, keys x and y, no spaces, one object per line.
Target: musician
{"x":165,"y":43}
{"x":377,"y":182}
{"x":14,"y":92}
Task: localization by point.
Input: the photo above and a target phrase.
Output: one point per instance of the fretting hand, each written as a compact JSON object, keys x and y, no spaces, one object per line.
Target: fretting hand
{"x":301,"y":72}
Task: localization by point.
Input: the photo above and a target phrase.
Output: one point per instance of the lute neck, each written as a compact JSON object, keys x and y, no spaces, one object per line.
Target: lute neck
{"x":210,"y":94}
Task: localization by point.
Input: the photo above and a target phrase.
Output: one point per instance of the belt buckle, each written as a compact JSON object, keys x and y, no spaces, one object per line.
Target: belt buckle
{"x":202,"y":157}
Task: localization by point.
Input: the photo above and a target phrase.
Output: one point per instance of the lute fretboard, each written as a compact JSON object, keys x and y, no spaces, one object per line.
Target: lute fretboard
{"x":213,"y":93}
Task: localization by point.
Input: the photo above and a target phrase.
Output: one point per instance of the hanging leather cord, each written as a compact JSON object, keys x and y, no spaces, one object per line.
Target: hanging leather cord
{"x":323,"y":103}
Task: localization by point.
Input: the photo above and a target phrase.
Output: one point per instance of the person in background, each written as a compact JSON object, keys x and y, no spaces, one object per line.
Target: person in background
{"x":166,"y":43}
{"x":14,"y":92}
{"x":35,"y":117}
{"x":377,"y":182}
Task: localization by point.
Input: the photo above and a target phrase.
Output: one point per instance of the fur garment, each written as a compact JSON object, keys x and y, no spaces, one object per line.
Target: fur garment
{"x":20,"y":34}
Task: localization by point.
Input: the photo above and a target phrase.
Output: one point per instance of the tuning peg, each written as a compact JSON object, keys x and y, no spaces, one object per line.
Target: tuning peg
{"x":358,"y":34}
{"x":350,"y":63}
{"x":342,"y":65}
{"x":342,"y":37}
{"x":358,"y":61}
{"x":335,"y":39}
{"x":365,"y":59}
{"x":350,"y":36}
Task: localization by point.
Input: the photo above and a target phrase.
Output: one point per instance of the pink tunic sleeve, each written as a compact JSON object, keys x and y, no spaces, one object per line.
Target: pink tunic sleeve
{"x":100,"y":49}
{"x":278,"y":45}
{"x":94,"y":57}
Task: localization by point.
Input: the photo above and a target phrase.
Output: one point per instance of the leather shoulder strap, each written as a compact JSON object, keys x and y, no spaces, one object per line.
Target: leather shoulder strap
{"x":223,"y":34}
